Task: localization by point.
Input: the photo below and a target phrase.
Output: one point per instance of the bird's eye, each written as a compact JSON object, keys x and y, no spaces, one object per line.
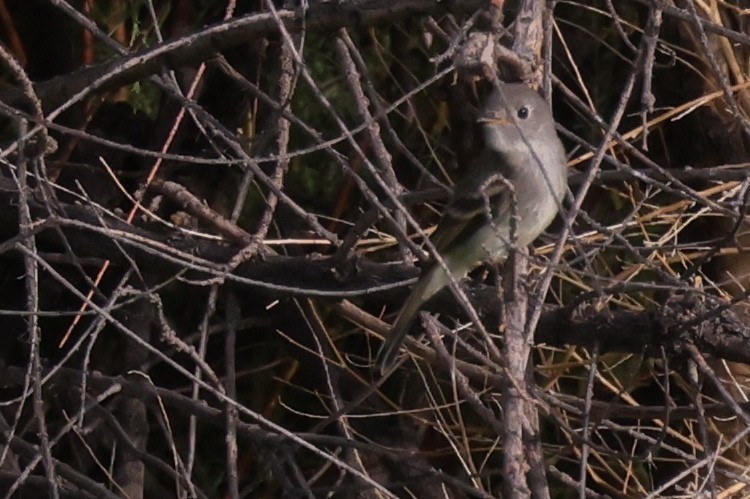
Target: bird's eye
{"x":523,"y":113}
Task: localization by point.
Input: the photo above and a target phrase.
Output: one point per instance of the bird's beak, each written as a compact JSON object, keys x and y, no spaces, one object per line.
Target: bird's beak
{"x":494,"y":121}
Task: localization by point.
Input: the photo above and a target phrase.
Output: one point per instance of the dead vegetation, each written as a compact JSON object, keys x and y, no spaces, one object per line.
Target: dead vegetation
{"x":209,"y":217}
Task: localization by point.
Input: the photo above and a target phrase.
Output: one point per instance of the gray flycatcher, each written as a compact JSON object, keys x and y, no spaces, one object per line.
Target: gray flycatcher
{"x":509,"y":196}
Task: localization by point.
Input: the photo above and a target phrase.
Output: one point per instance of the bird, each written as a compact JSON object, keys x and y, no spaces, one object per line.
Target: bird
{"x":509,"y":195}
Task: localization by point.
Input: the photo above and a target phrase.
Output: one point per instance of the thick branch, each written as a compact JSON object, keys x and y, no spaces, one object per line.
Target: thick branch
{"x":203,"y":44}
{"x":705,"y":321}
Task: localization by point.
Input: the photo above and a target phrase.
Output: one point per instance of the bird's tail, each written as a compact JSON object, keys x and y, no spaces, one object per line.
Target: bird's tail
{"x":429,"y":284}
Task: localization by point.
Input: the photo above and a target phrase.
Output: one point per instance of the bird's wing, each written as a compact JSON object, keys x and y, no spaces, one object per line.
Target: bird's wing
{"x":483,"y":194}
